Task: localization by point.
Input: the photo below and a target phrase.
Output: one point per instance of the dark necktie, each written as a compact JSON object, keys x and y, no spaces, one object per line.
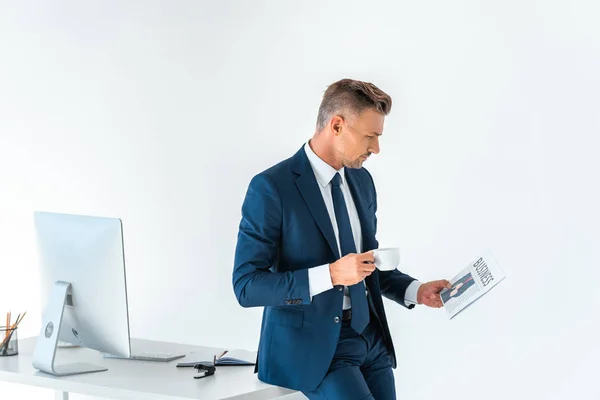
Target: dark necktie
{"x":358,"y":298}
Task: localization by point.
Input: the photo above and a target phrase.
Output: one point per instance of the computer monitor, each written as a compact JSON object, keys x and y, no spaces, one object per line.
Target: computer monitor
{"x":82,"y":268}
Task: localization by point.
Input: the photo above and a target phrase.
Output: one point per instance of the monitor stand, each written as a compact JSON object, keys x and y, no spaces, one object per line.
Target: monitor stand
{"x":66,"y":345}
{"x":45,"y":349}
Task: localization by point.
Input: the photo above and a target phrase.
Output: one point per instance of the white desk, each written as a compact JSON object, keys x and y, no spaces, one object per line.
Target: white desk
{"x":131,"y":379}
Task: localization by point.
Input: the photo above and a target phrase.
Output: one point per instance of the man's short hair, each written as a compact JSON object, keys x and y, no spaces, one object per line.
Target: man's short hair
{"x":353,"y":96}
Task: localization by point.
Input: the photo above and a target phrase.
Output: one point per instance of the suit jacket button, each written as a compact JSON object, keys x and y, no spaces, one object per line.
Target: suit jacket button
{"x":336,"y":320}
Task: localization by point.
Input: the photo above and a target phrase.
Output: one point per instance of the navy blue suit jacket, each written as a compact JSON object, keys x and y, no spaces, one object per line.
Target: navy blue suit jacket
{"x":285,"y":229}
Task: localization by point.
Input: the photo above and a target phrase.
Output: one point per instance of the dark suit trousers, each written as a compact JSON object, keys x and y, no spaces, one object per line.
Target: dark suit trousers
{"x":361,"y":368}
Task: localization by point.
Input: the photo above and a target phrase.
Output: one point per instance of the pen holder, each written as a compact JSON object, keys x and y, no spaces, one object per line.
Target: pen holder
{"x":9,"y":343}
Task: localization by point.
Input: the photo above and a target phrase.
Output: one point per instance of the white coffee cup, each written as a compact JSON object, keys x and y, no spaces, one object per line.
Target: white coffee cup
{"x":387,"y":259}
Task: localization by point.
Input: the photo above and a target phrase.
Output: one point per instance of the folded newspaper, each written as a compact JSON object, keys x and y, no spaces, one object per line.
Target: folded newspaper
{"x":478,"y":278}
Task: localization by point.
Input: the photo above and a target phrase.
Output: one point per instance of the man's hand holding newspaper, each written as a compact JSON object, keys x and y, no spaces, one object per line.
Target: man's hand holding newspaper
{"x":429,"y":293}
{"x":481,"y":275}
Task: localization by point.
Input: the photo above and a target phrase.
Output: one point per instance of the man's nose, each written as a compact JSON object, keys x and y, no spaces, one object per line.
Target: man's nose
{"x":374,"y":148}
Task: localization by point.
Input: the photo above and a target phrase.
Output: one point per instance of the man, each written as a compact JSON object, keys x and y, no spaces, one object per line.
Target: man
{"x":304,"y":253}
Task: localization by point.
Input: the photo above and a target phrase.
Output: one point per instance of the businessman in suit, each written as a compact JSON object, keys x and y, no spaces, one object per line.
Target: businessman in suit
{"x":304,"y":254}
{"x":458,"y":288}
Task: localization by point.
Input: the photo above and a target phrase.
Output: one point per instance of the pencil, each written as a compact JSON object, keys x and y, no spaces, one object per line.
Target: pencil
{"x":7,"y":329}
{"x":21,"y":319}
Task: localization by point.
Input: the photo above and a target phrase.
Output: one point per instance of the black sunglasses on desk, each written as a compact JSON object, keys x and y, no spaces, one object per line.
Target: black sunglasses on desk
{"x":208,"y":368}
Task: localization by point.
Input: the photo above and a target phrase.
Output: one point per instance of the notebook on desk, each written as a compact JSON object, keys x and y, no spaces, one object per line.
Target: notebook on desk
{"x":228,"y":357}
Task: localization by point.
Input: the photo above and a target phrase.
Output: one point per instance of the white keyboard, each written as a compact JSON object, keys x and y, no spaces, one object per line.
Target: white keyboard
{"x":148,"y":356}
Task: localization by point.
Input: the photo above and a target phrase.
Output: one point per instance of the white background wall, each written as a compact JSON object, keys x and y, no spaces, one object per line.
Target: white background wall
{"x":161,"y":112}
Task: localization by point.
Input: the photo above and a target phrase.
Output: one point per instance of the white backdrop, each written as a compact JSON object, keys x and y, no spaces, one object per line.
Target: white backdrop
{"x":161,"y":112}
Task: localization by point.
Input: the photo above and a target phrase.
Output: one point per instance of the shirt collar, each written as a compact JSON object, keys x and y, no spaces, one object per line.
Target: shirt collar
{"x":323,"y":171}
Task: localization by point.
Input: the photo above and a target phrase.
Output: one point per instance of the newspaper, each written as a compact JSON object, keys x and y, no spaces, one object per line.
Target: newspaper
{"x":478,"y":278}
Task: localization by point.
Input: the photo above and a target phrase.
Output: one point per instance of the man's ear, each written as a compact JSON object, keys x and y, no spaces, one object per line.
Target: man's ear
{"x":336,"y":124}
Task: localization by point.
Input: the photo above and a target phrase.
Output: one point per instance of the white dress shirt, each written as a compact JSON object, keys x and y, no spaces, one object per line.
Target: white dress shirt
{"x":319,"y":278}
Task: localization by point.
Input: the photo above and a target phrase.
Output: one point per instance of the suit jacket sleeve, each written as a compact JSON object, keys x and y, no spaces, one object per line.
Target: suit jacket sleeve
{"x":256,"y":281}
{"x":393,"y":283}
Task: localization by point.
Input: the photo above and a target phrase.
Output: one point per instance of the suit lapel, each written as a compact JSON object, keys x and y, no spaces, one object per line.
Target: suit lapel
{"x":311,"y":193}
{"x":357,"y":191}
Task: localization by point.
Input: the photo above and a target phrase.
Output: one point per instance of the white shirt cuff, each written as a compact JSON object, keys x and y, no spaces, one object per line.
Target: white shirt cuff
{"x":319,"y":280}
{"x":410,"y":297}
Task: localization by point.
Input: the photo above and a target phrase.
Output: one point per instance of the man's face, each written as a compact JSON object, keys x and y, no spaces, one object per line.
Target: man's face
{"x":358,"y":137}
